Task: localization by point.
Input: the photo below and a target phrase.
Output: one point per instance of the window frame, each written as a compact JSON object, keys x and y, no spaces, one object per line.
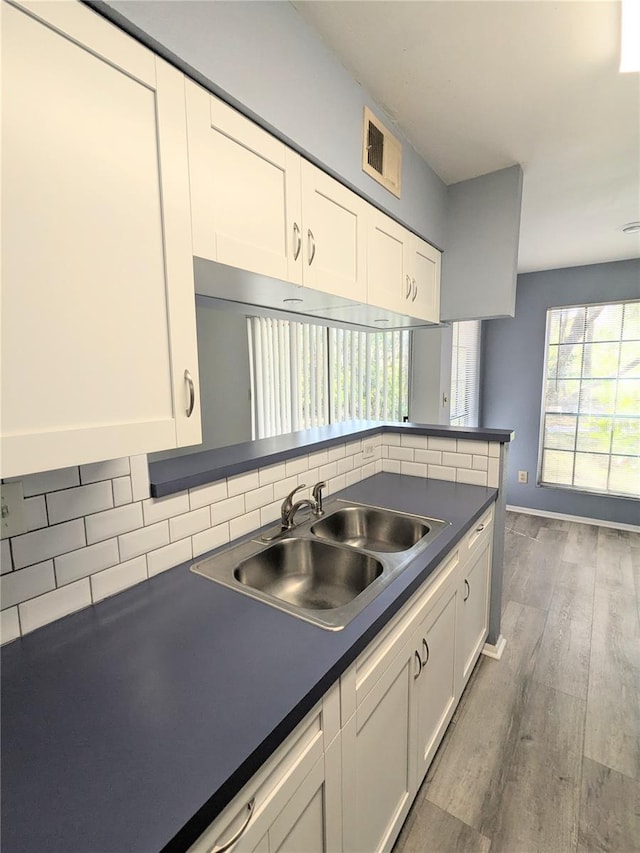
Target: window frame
{"x":541,"y":427}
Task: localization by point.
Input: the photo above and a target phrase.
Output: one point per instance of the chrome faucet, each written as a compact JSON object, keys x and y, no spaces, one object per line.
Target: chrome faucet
{"x":289,"y":509}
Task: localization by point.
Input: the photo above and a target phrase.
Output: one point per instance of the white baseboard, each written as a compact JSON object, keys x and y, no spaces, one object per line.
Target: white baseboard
{"x":580,"y":519}
{"x":496,"y":651}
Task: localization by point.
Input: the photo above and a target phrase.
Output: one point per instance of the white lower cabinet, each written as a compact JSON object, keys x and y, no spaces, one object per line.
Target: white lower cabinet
{"x":347,"y":776}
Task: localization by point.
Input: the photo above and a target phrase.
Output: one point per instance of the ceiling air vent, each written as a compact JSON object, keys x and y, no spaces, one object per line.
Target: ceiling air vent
{"x":381,"y":153}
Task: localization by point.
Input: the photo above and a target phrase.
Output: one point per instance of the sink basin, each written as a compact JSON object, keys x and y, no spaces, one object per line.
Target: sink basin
{"x":373,"y":529}
{"x":309,"y":573}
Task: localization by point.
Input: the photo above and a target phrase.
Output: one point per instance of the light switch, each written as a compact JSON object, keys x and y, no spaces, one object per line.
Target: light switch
{"x":13,"y":518}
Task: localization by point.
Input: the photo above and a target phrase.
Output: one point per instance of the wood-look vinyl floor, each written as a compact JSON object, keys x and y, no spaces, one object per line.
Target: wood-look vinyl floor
{"x":543,"y":753}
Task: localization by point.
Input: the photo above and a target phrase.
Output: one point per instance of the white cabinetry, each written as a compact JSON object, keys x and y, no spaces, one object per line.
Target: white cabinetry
{"x":425,"y":280}
{"x":292,"y":804}
{"x":98,"y":318}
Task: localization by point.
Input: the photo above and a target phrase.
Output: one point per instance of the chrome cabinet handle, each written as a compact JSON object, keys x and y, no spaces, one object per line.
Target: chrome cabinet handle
{"x":221,"y":848}
{"x":192,"y":393}
{"x":466,"y":583}
{"x":312,"y":245}
{"x":419,"y":659}
{"x":298,"y":236}
{"x":415,"y":291}
{"x":425,"y":646}
{"x":480,"y":528}
{"x":406,"y":296}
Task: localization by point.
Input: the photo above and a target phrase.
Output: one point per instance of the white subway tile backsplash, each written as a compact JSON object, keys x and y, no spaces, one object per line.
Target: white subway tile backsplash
{"x":296,"y":466}
{"x":258,"y":498}
{"x":413,"y":469}
{"x":229,"y":508}
{"x":493,"y":473}
{"x":40,"y":545}
{"x":146,"y":539}
{"x":159,"y":509}
{"x":391,"y":466}
{"x":494,"y":449}
{"x":391,"y":439}
{"x":440,"y":472}
{"x":457,"y":460}
{"x":6,"y":563}
{"x":270,"y":513}
{"x":353,"y":476}
{"x":48,"y":481}
{"x":353,"y":447}
{"x":336,"y":484}
{"x":210,"y":539}
{"x":54,"y":605}
{"x":476,"y":478}
{"x":282,"y":489}
{"x":113,"y":522}
{"x":80,"y":501}
{"x":119,"y":578}
{"x":337,"y":452}
{"x":104,"y":470}
{"x":309,"y":478}
{"x":378,"y":465}
{"x":242,"y":483}
{"x":122,"y":491}
{"x":402,"y":454}
{"x":244,"y":524}
{"x":428,"y":457}
{"x":9,"y":625}
{"x":327,"y":471}
{"x":480,"y":463}
{"x":369,"y":470}
{"x":169,"y":556}
{"x":320,"y":457}
{"x":139,"y":477}
{"x":384,"y":452}
{"x":36,"y":513}
{"x":189,"y":523}
{"x":86,"y":561}
{"x":466,"y":445}
{"x":27,"y":583}
{"x":436,"y":443}
{"x":271,"y":474}
{"x":418,"y":442}
{"x":344,"y":464}
{"x":205,"y":495}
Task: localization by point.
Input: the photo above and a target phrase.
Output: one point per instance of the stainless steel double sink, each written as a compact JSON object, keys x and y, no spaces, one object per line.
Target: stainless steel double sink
{"x":328,"y":568}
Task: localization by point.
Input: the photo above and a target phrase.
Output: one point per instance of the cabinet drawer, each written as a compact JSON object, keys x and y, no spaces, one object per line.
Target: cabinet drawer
{"x":478,"y":536}
{"x":251,"y":813}
{"x":361,"y":677}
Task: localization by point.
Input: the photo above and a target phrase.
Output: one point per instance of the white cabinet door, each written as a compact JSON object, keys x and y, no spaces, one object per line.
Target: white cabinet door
{"x":474,"y":607}
{"x":435,"y":687}
{"x":300,"y":826}
{"x":334,"y":238}
{"x":389,"y":279}
{"x":245,"y":191}
{"x":98,"y":316}
{"x":378,"y":755}
{"x":425,"y":275}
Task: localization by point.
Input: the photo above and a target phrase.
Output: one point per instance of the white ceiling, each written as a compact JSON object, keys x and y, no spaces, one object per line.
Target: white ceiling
{"x":478,"y":85}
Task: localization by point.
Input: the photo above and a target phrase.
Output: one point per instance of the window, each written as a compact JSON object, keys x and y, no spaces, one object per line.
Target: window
{"x":305,"y":375}
{"x":590,"y":424}
{"x":465,"y":373}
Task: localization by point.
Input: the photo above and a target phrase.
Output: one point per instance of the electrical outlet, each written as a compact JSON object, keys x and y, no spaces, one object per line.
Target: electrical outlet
{"x":13,"y":519}
{"x":523,"y":476}
{"x":368,"y":450}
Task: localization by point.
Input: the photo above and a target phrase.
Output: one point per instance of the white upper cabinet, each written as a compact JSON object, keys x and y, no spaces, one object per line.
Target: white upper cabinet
{"x":335,"y":233}
{"x":424,"y":265}
{"x":245,"y":191}
{"x":98,"y":316}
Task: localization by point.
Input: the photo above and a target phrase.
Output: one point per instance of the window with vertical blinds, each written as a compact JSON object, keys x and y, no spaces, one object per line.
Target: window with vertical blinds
{"x":590,"y":424}
{"x":465,"y":373}
{"x":305,"y":375}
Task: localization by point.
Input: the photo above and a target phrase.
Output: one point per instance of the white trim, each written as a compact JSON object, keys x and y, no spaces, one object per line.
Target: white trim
{"x":581,"y":519}
{"x":495,"y":651}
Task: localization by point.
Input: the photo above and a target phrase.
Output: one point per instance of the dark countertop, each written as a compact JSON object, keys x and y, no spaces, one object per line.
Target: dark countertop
{"x":130,"y":725}
{"x":205,"y":466}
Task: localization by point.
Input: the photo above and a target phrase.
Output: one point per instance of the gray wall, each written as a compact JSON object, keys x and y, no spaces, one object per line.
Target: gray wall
{"x":265,"y":59}
{"x":480,"y":265}
{"x":512,"y":383}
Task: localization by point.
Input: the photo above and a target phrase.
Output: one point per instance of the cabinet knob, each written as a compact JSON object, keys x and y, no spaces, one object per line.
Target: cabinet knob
{"x":192,"y":393}
{"x":222,"y":847}
{"x":468,"y":588}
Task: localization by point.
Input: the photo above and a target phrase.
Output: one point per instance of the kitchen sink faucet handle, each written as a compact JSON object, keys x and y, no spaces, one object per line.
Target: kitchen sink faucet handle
{"x":287,"y":505}
{"x":316,"y":494}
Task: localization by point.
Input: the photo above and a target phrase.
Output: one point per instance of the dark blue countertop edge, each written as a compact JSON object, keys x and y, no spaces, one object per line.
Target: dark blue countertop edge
{"x":194,"y":828}
{"x":169,"y":476}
